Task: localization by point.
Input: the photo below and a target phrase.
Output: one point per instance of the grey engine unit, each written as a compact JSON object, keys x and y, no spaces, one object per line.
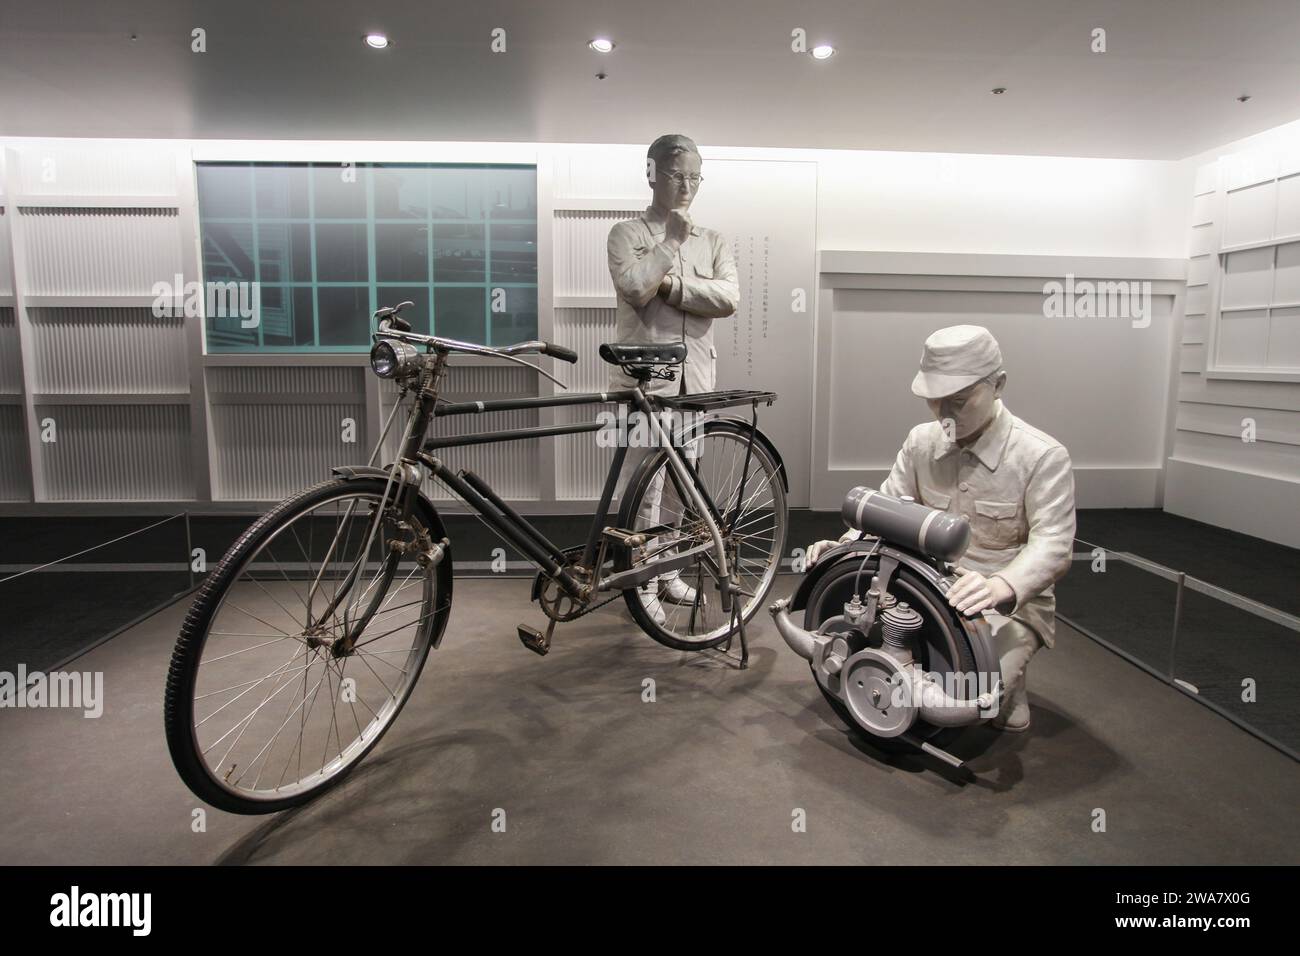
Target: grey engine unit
{"x":867,"y":657}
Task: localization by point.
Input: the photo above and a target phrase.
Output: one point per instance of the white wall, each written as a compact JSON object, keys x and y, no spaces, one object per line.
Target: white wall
{"x":1212,"y":474}
{"x":879,"y":201}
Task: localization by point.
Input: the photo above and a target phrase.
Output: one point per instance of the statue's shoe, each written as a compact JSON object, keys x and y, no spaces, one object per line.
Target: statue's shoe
{"x":1015,"y":716}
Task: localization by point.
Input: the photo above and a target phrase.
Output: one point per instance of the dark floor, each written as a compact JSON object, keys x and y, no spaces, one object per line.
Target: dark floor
{"x":1252,"y":567}
{"x":52,"y":615}
{"x":710,"y":773}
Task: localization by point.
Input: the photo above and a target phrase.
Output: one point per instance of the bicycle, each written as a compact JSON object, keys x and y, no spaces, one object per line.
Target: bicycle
{"x":320,"y":617}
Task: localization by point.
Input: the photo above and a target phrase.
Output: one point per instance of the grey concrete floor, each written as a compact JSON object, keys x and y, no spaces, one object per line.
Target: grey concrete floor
{"x":711,"y":772}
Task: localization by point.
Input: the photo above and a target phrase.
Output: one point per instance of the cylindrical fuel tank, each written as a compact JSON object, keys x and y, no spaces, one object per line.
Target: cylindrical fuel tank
{"x":930,"y":531}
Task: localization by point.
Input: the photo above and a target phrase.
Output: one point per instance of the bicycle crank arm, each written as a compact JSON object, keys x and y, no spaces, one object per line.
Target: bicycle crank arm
{"x":633,"y":577}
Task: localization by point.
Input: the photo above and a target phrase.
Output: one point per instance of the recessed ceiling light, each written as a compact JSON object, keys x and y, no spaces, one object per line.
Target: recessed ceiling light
{"x":1244,"y":98}
{"x":822,"y":51}
{"x":998,"y":90}
{"x":377,"y":41}
{"x":601,"y":44}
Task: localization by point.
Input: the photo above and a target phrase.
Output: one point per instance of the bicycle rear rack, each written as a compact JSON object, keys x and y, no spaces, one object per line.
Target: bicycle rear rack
{"x":708,"y":401}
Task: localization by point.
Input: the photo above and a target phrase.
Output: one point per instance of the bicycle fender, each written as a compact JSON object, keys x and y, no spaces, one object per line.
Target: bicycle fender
{"x":766,"y":442}
{"x":437,"y":531}
{"x":652,"y":460}
{"x":759,"y":438}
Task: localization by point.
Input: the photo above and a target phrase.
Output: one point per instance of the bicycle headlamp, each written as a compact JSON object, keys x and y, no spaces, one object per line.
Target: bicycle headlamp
{"x":390,"y":359}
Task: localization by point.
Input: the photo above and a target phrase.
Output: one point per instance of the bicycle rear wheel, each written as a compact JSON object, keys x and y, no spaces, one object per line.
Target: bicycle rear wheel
{"x":758,"y":522}
{"x":263,"y":709}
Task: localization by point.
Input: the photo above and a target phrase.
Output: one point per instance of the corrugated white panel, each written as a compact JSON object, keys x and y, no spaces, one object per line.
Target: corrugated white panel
{"x":109,"y":350}
{"x":99,"y":251}
{"x":117,"y":452}
{"x":6,"y":278}
{"x":581,"y":464}
{"x":98,"y":171}
{"x":304,"y":380}
{"x":511,"y":468}
{"x":605,"y":171}
{"x":11,"y":368}
{"x":15,"y":479}
{"x":471,"y":382}
{"x":581,"y":263}
{"x":267,"y":452}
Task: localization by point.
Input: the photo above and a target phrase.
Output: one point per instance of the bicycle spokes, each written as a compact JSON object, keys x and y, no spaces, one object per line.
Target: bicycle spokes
{"x":311,"y":650}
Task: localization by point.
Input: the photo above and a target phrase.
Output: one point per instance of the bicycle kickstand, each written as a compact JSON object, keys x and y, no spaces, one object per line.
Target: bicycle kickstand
{"x":737,"y":622}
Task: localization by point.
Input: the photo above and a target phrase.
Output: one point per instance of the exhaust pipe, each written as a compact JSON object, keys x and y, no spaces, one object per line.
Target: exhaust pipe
{"x":932,"y":703}
{"x":935,"y":706}
{"x":800,"y":641}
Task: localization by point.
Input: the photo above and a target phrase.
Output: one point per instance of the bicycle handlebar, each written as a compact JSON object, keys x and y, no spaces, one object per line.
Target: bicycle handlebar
{"x":439,"y":344}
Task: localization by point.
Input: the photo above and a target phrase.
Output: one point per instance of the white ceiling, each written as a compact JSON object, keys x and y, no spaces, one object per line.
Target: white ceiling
{"x":908,"y":75}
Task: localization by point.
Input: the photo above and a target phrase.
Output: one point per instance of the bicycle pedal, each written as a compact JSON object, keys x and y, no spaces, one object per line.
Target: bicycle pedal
{"x":535,"y":640}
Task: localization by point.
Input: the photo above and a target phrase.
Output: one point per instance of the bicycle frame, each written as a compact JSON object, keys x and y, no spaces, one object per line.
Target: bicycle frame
{"x":416,"y":450}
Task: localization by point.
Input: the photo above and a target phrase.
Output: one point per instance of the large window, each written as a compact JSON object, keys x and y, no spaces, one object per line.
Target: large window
{"x":327,"y":244}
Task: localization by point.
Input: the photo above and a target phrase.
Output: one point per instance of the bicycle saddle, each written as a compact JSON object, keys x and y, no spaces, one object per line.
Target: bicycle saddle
{"x":673,"y":353}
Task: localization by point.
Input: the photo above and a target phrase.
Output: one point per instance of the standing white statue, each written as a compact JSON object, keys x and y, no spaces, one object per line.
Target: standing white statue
{"x":672,"y":279}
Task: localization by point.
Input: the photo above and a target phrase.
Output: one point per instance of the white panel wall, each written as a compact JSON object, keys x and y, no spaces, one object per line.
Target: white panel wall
{"x":102,"y":221}
{"x":11,"y":367}
{"x":510,"y":468}
{"x":1235,"y":460}
{"x":112,"y":351}
{"x":581,"y":464}
{"x":276,"y":430}
{"x":116,"y":452}
{"x":67,"y":168}
{"x":1098,"y":385}
{"x":581,"y":262}
{"x":98,"y":252}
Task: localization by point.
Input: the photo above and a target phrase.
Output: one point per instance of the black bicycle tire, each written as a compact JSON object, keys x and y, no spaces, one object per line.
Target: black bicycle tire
{"x":629,"y":508}
{"x":182,"y":674}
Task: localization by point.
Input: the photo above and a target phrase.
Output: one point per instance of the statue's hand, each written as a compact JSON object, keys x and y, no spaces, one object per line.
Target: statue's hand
{"x":678,"y":226}
{"x":974,"y":592}
{"x":815,"y":551}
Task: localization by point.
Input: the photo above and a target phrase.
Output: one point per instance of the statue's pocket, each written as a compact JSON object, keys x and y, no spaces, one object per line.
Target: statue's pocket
{"x":996,"y":524}
{"x":935,"y":499}
{"x":703,"y":272}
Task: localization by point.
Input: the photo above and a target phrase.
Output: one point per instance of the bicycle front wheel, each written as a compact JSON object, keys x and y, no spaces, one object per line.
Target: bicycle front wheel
{"x":302,"y":647}
{"x":684,"y":612}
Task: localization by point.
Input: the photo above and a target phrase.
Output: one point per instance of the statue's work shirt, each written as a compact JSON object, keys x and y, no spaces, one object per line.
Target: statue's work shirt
{"x":704,"y":287}
{"x":1015,"y":485}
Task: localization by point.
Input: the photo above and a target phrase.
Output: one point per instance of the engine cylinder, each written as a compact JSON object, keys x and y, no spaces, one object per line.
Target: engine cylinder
{"x":898,"y":624}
